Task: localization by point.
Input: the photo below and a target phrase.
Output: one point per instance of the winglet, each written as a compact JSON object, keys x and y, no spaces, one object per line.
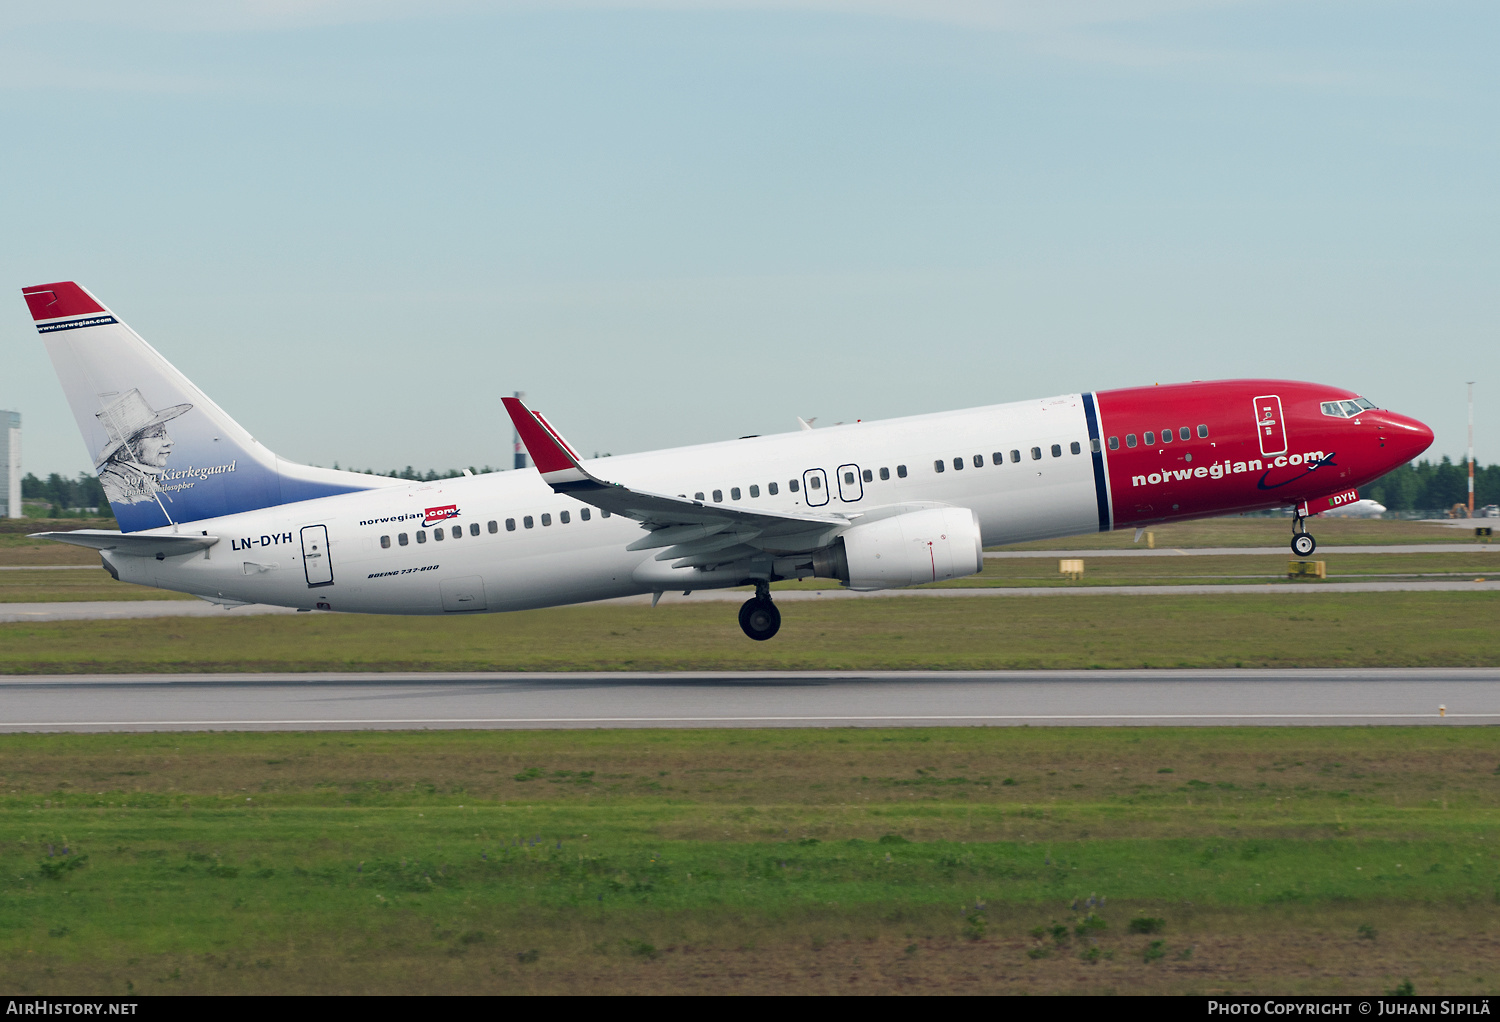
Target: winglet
{"x":550,"y":453}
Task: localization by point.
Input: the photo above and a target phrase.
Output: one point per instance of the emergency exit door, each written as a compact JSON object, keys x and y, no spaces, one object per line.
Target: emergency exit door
{"x":1269,"y":425}
{"x":315,"y":561}
{"x":815,"y":487}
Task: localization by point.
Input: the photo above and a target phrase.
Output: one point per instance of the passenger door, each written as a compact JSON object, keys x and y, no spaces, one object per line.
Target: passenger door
{"x":850,"y":486}
{"x":815,"y":487}
{"x":1269,"y":425}
{"x":316,"y":563}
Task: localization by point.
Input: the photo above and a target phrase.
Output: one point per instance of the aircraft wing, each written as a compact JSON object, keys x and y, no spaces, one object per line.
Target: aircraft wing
{"x":694,"y":533}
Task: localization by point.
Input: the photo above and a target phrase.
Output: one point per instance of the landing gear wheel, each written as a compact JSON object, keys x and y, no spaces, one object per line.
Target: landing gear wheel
{"x":1303,"y":544}
{"x":759,"y":618}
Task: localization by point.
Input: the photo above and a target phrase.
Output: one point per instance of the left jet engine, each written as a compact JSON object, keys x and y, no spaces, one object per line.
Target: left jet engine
{"x":908,"y":549}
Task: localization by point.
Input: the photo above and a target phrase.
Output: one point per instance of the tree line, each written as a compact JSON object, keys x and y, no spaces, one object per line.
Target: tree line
{"x":1430,"y":486}
{"x":73,"y":498}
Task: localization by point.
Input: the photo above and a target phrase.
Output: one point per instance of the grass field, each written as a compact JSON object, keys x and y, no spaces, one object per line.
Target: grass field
{"x":1271,"y":860}
{"x":1268,"y":532}
{"x":1242,"y":630}
{"x":1229,"y":569}
{"x":40,"y":585}
{"x":16,"y":548}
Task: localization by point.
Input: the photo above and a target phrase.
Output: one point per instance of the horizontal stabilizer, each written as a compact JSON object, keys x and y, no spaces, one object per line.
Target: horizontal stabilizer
{"x":134,"y":544}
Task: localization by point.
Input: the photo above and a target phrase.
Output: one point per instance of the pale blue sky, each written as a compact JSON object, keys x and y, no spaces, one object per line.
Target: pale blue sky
{"x":356,"y":226}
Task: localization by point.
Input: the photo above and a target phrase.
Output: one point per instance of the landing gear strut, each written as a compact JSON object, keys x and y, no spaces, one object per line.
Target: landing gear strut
{"x":1302,"y":542}
{"x":759,"y":617}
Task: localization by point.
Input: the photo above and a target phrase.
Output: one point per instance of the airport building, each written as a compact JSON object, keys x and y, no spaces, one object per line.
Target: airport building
{"x":10,"y":464}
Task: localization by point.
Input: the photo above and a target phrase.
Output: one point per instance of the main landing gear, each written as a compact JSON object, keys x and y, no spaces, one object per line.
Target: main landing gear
{"x":1302,"y":542}
{"x":758,"y":615}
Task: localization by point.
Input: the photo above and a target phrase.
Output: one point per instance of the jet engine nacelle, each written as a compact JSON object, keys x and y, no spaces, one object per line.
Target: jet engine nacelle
{"x":904,"y":550}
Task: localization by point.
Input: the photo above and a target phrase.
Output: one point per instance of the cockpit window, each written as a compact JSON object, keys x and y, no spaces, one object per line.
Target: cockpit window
{"x":1347,"y":409}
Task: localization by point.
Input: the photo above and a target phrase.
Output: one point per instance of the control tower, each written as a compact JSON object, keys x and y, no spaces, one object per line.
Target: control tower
{"x":10,"y":465}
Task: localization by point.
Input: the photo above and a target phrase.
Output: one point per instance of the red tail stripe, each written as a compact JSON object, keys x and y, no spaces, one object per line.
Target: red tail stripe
{"x":55,"y":301}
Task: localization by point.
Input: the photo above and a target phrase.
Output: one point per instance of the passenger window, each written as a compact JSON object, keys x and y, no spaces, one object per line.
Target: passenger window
{"x":421,"y":536}
{"x":494,"y":527}
{"x":698,"y":495}
{"x":1166,"y":436}
{"x":529,"y":522}
{"x":1036,"y":454}
{"x":437,"y":535}
{"x":848,"y":478}
{"x":401,"y":538}
{"x":1150,"y":438}
{"x":792,"y":485}
{"x":1057,"y":450}
{"x":867,"y":476}
{"x":1129,"y":439}
{"x":603,"y":513}
{"x":1203,"y":430}
{"x":1076,"y":449}
{"x":885,"y":474}
{"x":958,"y":464}
{"x":585,"y":513}
{"x":546,"y":520}
{"x":510,"y":525}
{"x":771,"y":489}
{"x":718,"y":496}
{"x":979,"y":461}
{"x":816,"y":482}
{"x":754,"y":491}
{"x":458,"y":532}
{"x":938,"y":466}
{"x":901,"y":471}
{"x":385,"y":542}
{"x":564,"y":517}
{"x":1184,"y":433}
{"x":998,"y":458}
{"x":734,"y":493}
{"x":1015,"y":456}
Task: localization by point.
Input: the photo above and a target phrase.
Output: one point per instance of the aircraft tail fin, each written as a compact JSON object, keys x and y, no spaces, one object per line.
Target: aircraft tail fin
{"x":165,"y":453}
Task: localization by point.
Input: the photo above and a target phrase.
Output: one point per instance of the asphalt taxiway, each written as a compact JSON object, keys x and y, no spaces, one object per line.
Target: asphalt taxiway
{"x":334,"y":702}
{"x":105,"y":610}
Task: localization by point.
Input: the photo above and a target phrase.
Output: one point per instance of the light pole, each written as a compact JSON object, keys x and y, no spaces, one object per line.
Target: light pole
{"x":1471,"y":448}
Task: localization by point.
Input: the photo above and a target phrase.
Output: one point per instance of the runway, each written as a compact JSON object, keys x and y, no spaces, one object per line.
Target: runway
{"x":339,"y":702}
{"x":107,"y":610}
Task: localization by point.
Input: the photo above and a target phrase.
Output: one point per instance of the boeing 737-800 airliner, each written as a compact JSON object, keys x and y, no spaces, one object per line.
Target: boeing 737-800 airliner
{"x":205,"y":509}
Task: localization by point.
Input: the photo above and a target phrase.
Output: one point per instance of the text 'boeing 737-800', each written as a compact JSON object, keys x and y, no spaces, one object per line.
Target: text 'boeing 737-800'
{"x":205,"y":509}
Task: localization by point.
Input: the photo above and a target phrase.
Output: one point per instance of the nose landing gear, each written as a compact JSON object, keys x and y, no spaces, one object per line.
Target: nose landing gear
{"x":1303,"y":543}
{"x":759,"y":617}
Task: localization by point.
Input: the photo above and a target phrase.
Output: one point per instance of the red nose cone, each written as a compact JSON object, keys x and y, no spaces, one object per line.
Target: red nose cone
{"x":1405,"y":438}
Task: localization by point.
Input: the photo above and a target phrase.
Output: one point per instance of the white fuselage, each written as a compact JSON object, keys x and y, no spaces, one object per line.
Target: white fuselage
{"x":384,"y":555}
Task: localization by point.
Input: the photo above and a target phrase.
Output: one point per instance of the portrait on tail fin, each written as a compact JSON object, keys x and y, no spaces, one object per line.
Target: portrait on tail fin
{"x":138,"y":447}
